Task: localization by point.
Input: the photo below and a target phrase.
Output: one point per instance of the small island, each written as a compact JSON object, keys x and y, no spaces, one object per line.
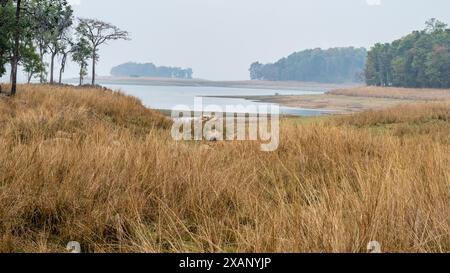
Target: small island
{"x":137,"y":70}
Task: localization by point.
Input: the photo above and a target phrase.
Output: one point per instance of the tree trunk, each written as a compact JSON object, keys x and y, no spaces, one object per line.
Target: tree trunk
{"x":93,"y":66}
{"x":1,"y":54}
{"x":60,"y":75}
{"x":29,"y":77}
{"x":16,"y":52}
{"x":11,"y":74}
{"x":63,"y":66}
{"x":52,"y":66}
{"x":81,"y":74}
{"x":41,"y":55}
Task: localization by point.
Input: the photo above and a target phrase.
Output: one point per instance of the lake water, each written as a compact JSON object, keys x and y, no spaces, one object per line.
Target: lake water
{"x":168,"y":97}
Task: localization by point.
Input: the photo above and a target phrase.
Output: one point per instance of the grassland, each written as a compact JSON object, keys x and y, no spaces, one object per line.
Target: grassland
{"x":99,"y":168}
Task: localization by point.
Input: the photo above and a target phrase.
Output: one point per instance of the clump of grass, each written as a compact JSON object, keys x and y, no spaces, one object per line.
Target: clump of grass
{"x":106,"y":173}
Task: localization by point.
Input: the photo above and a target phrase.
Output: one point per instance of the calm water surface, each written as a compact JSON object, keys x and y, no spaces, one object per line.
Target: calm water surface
{"x":168,"y":97}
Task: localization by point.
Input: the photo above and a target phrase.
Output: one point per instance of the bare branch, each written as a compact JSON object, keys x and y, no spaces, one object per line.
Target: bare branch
{"x":97,"y":33}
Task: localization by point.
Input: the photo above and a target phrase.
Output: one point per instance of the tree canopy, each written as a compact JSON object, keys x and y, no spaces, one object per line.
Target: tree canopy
{"x":335,"y":65}
{"x":150,"y":70}
{"x":6,"y":33}
{"x":97,"y":33}
{"x":420,"y":59}
{"x":32,"y":30}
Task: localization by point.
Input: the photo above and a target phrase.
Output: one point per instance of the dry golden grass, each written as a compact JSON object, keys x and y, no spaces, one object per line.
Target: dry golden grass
{"x":394,"y":93}
{"x":431,"y":120}
{"x":99,"y":168}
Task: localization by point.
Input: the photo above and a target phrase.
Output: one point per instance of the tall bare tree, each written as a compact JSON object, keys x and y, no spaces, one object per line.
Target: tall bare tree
{"x":61,"y":21}
{"x":40,"y":15}
{"x":67,"y":47}
{"x":99,"y":33}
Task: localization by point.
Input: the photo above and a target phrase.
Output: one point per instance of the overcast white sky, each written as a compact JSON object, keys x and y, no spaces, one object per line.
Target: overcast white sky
{"x":219,"y":39}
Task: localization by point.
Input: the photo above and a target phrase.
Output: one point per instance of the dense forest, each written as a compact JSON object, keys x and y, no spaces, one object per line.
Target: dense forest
{"x":335,"y":65}
{"x":420,"y":59}
{"x":150,"y":70}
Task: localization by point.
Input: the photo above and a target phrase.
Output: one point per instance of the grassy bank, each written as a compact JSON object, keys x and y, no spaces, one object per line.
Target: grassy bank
{"x":394,"y":93}
{"x":97,"y":167}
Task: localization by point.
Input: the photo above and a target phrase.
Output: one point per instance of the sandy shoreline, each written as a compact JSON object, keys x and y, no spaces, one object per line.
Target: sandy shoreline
{"x":227,"y":84}
{"x":350,"y":100}
{"x":331,"y":103}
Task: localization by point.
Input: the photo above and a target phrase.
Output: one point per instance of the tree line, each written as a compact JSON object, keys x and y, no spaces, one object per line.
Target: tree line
{"x":150,"y":70}
{"x":335,"y":65}
{"x":420,"y":59}
{"x":33,"y":31}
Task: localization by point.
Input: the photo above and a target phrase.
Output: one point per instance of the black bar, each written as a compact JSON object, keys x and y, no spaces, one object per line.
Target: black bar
{"x":199,"y":263}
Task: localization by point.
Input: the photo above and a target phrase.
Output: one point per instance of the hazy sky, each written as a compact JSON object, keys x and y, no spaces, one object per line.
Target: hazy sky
{"x":219,"y":39}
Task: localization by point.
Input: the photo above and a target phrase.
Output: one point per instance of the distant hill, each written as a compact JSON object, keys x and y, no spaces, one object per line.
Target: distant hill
{"x":150,"y":70}
{"x":335,"y":65}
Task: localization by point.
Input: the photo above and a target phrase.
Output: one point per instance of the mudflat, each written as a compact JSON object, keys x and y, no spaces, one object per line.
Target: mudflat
{"x":275,"y":85}
{"x":356,"y":99}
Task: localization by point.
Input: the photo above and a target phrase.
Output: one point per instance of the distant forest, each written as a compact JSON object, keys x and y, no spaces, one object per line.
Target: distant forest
{"x":335,"y":65}
{"x":150,"y":70}
{"x":420,"y":59}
